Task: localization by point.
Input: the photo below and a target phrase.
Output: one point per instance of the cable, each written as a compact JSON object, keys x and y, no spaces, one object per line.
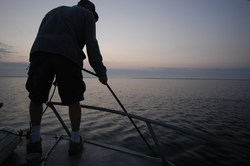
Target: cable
{"x":55,"y":84}
{"x":19,"y":135}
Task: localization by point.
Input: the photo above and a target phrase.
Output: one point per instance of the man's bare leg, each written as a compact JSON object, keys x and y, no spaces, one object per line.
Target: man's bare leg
{"x":75,"y":118}
{"x":35,"y":110}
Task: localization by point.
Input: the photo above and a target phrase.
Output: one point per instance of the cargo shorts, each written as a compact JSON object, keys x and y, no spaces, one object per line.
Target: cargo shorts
{"x":44,"y":68}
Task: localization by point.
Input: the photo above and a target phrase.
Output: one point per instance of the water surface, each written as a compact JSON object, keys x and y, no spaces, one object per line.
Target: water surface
{"x":217,"y":108}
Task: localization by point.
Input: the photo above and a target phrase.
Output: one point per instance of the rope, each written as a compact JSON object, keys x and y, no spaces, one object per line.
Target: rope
{"x":55,"y":84}
{"x":20,"y":133}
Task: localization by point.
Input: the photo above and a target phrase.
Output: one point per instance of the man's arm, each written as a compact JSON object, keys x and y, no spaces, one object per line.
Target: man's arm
{"x":103,"y":80}
{"x":93,"y":51}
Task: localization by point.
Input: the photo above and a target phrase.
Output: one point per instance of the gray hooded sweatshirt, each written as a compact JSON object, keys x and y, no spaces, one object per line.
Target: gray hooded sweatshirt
{"x":65,"y":31}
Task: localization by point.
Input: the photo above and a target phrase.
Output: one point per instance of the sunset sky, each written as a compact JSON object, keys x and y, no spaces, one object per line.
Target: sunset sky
{"x":144,"y":34}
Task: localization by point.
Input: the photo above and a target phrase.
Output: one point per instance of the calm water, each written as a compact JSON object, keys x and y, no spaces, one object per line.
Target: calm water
{"x":217,"y":108}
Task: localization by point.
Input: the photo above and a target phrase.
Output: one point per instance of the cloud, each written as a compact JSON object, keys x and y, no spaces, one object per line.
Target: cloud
{"x":2,"y":45}
{"x":5,"y":49}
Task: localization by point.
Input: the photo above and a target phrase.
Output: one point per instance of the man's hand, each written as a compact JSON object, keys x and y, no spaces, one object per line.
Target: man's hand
{"x":103,"y":80}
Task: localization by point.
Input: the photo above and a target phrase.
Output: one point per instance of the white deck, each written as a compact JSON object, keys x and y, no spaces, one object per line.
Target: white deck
{"x":91,"y":155}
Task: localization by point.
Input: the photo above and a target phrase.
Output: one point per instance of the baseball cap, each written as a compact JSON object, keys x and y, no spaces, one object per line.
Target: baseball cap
{"x":91,"y":6}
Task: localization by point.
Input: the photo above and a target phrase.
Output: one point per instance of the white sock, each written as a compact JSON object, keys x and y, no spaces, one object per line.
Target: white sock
{"x":75,"y":136}
{"x":35,"y":134}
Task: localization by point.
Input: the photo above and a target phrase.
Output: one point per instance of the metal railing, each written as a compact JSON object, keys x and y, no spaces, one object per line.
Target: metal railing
{"x":149,"y":122}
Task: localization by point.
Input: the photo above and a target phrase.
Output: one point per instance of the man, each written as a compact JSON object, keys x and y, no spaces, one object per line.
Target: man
{"x":57,"y":52}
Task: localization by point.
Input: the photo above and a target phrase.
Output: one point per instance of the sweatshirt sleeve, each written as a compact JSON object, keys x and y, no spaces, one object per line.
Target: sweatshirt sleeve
{"x":93,"y":51}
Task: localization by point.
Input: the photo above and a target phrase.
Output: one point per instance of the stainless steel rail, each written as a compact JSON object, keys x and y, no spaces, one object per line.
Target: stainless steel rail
{"x":149,"y":122}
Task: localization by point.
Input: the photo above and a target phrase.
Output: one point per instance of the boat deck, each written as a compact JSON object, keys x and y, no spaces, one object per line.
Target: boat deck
{"x":92,"y":154}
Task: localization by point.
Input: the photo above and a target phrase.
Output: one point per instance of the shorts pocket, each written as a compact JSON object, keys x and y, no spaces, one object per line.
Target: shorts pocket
{"x":29,"y":82}
{"x":80,"y":83}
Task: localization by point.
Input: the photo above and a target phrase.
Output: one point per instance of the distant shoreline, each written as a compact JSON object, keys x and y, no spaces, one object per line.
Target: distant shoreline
{"x":149,"y":78}
{"x":20,"y":70}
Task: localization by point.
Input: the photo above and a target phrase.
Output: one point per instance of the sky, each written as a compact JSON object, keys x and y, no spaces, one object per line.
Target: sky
{"x":184,"y":37}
